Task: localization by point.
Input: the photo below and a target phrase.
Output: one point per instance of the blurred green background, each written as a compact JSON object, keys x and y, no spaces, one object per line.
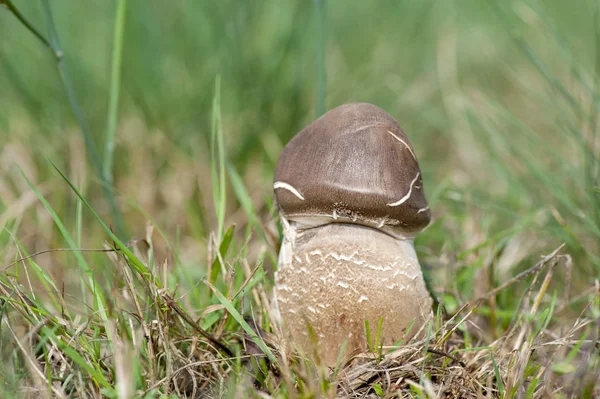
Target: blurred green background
{"x":499,"y":98}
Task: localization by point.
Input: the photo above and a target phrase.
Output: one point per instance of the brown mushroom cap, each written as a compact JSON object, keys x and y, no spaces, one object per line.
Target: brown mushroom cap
{"x":353,"y":164}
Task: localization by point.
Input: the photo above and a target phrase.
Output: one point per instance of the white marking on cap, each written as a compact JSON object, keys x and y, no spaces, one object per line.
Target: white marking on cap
{"x":423,"y":209}
{"x":405,"y":144}
{"x":407,"y":196}
{"x":289,"y":187}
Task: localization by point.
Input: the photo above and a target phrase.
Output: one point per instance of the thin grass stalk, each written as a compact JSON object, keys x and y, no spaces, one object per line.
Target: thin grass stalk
{"x":53,"y":44}
{"x":65,"y":75}
{"x":92,"y":286}
{"x":79,"y":116}
{"x":321,"y":17}
{"x":217,"y":154}
{"x":15,"y":11}
{"x":115,"y":88}
{"x":78,"y":242}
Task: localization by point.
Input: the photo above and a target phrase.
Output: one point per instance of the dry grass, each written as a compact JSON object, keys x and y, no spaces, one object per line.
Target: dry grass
{"x":147,"y":336}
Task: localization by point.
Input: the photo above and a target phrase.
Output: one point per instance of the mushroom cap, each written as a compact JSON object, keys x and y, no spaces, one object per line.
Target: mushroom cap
{"x":353,"y":164}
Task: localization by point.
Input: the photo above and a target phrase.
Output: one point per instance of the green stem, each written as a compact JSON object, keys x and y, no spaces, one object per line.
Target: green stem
{"x":115,"y":86}
{"x":53,"y":44}
{"x":79,"y":117}
{"x":65,"y":76}
{"x":217,"y":151}
{"x":15,"y":11}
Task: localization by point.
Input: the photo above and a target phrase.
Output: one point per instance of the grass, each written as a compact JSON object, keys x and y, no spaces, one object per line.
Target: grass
{"x":146,"y":270}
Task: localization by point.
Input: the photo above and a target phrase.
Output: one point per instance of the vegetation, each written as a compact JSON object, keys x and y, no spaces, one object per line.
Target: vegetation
{"x":139,"y":231}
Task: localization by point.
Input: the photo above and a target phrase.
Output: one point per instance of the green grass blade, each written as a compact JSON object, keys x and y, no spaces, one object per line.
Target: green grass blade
{"x":498,"y":377}
{"x":240,"y":319}
{"x":68,"y":350}
{"x":137,"y":265}
{"x":64,"y":232}
{"x":61,"y":227}
{"x":244,"y":199}
{"x":217,"y":152}
{"x":223,"y":248}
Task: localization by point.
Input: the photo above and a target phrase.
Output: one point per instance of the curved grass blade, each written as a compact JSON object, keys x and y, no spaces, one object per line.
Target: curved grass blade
{"x":137,"y":265}
{"x":91,"y":286}
{"x":240,"y":319}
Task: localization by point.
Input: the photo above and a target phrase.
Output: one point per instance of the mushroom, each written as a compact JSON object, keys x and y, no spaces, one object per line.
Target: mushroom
{"x":351,"y":200}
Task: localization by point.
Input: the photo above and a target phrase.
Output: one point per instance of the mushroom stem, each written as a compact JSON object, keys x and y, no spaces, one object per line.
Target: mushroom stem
{"x":333,"y":276}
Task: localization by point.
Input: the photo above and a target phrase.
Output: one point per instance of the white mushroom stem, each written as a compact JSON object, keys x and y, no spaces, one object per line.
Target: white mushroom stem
{"x":333,"y":276}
